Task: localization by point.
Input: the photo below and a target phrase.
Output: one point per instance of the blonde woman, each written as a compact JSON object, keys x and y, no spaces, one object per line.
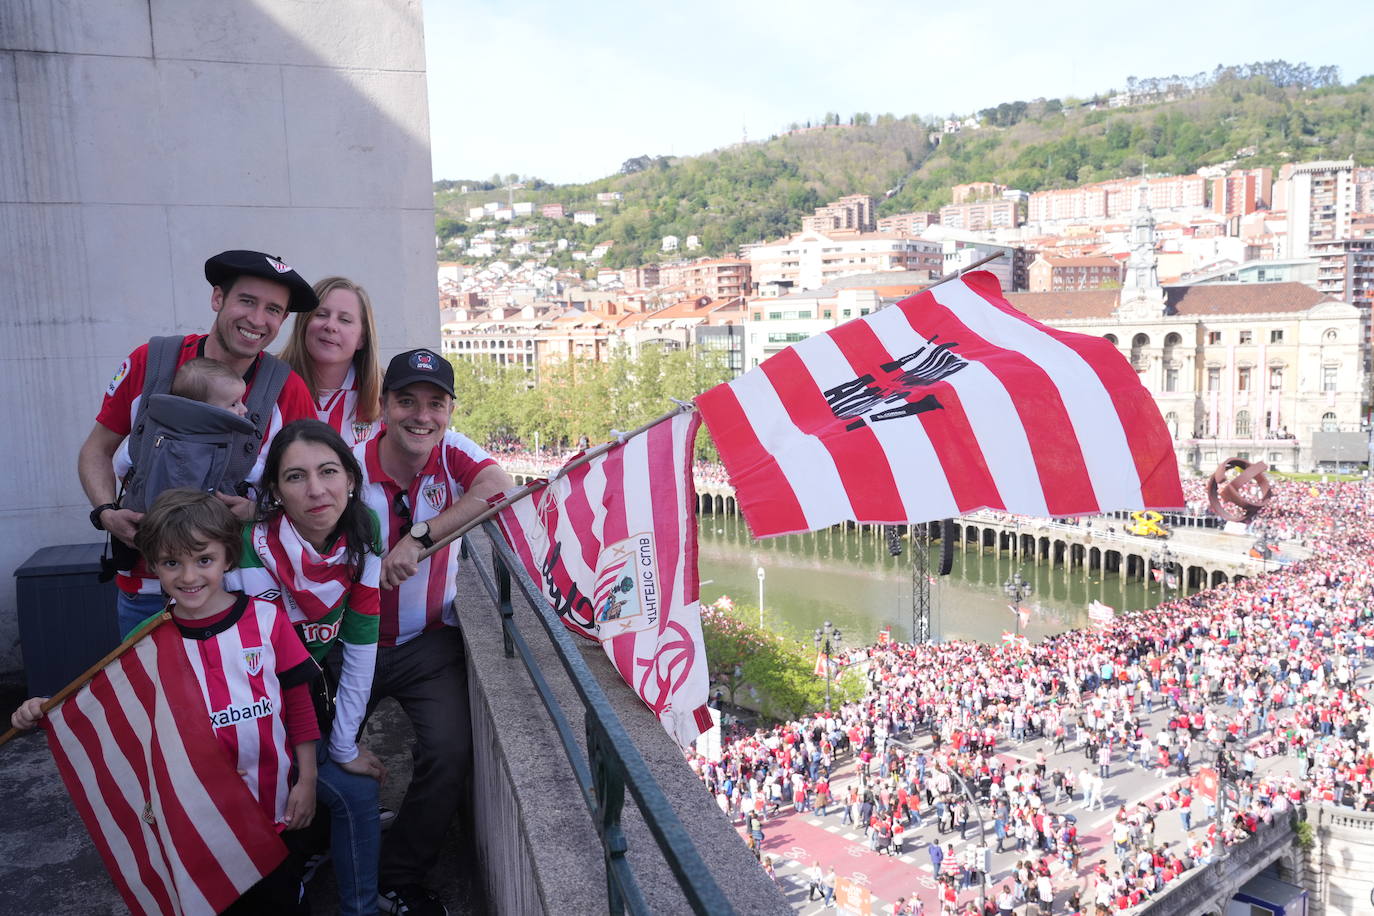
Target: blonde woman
{"x":334,"y":349}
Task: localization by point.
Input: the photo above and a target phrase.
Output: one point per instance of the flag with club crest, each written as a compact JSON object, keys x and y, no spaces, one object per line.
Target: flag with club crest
{"x":177,"y":828}
{"x":613,"y":545}
{"x":944,"y":403}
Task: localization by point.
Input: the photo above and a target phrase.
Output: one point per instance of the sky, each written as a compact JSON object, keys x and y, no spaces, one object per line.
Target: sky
{"x":568,"y":90}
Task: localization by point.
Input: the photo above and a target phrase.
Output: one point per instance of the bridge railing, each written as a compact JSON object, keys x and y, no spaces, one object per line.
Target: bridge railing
{"x":1100,"y":535}
{"x":611,"y":763}
{"x":1200,"y":889}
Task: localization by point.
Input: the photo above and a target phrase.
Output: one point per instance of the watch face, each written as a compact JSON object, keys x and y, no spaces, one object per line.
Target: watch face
{"x":419,"y":530}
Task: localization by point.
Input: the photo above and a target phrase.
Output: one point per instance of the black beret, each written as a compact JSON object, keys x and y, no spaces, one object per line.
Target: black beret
{"x":229,"y":264}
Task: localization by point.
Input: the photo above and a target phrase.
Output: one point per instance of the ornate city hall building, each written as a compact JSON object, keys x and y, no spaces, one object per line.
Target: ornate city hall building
{"x":1277,"y":372}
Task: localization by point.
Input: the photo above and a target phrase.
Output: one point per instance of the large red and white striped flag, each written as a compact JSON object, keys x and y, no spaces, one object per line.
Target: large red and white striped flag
{"x":176,"y":826}
{"x":613,"y":545}
{"x":948,"y":402}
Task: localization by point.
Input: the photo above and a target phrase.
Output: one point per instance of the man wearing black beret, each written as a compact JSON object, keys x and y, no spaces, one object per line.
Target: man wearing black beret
{"x":251,"y":293}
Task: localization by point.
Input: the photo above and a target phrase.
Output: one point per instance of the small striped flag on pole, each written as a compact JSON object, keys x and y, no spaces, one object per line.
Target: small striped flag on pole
{"x":947,"y":402}
{"x":177,"y":828}
{"x":613,"y":544}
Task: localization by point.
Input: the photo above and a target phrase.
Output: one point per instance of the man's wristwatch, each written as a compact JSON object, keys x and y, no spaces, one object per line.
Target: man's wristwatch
{"x":420,"y":531}
{"x":95,"y":514}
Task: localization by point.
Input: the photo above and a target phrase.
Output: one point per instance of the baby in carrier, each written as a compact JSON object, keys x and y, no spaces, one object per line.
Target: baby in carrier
{"x":202,"y":379}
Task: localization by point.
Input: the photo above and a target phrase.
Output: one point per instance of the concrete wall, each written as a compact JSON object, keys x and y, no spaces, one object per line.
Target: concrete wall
{"x":138,"y":137}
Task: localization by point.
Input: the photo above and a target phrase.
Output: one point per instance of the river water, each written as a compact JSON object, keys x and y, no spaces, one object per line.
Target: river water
{"x":850,"y":579}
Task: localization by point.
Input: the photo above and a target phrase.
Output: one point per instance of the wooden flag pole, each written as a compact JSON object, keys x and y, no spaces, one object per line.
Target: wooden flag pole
{"x":134,"y":639}
{"x":590,"y":455}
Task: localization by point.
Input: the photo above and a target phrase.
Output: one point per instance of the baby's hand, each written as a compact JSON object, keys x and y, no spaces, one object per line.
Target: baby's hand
{"x":27,"y":715}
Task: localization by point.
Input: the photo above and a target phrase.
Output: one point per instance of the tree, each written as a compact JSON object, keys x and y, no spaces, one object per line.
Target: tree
{"x":729,"y":644}
{"x":447,"y":228}
{"x":777,"y":674}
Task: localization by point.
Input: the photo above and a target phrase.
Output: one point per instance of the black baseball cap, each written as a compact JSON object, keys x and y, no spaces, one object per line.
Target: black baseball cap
{"x":418,"y":366}
{"x":226,"y":265}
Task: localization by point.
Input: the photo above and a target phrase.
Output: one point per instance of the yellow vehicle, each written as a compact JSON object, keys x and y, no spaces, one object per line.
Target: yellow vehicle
{"x":1147,"y":524}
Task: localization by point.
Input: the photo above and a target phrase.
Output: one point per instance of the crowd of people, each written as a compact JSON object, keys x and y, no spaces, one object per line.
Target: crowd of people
{"x":1264,"y":667}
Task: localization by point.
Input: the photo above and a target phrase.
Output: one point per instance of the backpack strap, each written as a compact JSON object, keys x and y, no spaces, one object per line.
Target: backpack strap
{"x":268,"y":382}
{"x":157,"y":379}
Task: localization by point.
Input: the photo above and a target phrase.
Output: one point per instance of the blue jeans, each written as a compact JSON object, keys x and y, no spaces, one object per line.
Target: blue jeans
{"x":131,"y":610}
{"x":355,"y":833}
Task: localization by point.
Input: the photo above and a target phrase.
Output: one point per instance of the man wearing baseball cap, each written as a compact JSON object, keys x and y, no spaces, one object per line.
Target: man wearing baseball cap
{"x":425,"y":481}
{"x":251,"y":293}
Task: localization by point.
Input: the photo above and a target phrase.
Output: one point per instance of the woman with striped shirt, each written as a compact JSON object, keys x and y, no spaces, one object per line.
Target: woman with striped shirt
{"x":315,"y":551}
{"x":334,"y":350}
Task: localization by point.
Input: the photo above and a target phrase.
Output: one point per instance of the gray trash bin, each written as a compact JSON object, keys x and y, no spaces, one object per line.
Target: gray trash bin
{"x":66,"y":615}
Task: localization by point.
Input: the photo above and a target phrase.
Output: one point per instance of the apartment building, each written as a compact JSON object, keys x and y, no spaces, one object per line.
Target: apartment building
{"x":908,"y":223}
{"x":976,"y":191}
{"x":1363,"y":179}
{"x":639,"y":277}
{"x":1345,"y":269}
{"x":981,"y":216}
{"x":1321,"y":201}
{"x":1056,"y":273}
{"x":1011,"y":269}
{"x":1242,"y":191}
{"x":854,"y":212}
{"x":809,"y":260}
{"x":774,"y":324}
{"x":1110,"y":199}
{"x":717,"y":278}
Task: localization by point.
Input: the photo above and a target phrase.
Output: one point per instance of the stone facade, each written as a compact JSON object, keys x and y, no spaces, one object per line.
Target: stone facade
{"x":1251,"y":370}
{"x":1339,"y":873}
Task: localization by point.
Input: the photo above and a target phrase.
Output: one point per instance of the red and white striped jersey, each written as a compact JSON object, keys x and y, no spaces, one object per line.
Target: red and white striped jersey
{"x":120,"y":408}
{"x":425,"y":600}
{"x":243,"y":663}
{"x":339,"y":408}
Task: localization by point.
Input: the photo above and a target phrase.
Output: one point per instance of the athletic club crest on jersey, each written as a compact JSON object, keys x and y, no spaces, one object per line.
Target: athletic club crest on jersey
{"x":360,"y":432}
{"x":434,"y":495}
{"x":252,"y":661}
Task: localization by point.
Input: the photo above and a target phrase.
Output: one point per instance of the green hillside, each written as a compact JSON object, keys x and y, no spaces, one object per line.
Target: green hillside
{"x":1274,"y":111}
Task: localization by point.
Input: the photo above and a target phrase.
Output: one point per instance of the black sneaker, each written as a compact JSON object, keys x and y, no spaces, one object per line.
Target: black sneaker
{"x":410,"y":900}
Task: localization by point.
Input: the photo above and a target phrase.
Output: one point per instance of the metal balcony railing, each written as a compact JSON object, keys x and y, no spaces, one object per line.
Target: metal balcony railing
{"x":611,"y":763}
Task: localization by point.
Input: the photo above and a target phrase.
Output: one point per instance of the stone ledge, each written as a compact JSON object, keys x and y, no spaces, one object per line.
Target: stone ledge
{"x":552,"y":860}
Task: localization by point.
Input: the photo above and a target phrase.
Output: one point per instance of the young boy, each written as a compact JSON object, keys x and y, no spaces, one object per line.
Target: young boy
{"x":250,"y":664}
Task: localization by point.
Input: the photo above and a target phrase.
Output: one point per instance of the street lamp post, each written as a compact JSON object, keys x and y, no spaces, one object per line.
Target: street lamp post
{"x":1018,"y":588}
{"x":761,"y":597}
{"x":1164,"y":559}
{"x":982,"y":834}
{"x":822,"y":638}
